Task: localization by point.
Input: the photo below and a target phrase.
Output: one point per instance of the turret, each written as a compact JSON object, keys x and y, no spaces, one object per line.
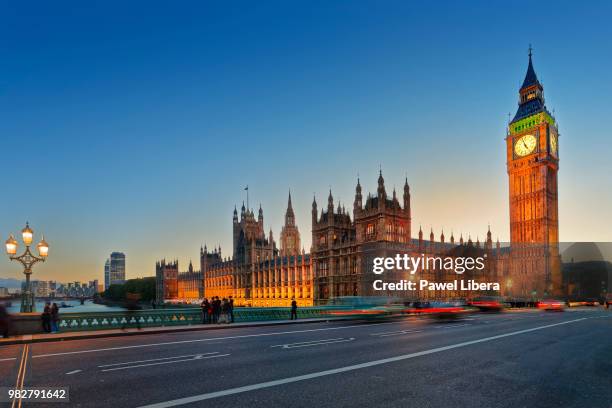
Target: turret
{"x":330,"y":204}
{"x":382,"y":194}
{"x":289,"y":215}
{"x":420,"y":238}
{"x":314,"y":210}
{"x":407,"y":197}
{"x":431,"y":240}
{"x":357,"y":205}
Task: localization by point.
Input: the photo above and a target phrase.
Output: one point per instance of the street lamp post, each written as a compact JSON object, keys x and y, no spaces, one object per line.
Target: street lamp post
{"x":28,"y":260}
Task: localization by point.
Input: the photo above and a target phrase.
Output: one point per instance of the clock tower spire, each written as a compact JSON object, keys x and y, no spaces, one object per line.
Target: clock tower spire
{"x":532,"y":164}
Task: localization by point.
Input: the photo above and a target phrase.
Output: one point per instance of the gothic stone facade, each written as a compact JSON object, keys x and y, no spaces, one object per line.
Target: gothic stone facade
{"x":258,"y":273}
{"x":172,"y":285}
{"x":532,"y":163}
{"x":343,"y":247}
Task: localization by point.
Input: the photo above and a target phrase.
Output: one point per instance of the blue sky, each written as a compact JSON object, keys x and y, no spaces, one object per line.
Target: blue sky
{"x":135,"y":126}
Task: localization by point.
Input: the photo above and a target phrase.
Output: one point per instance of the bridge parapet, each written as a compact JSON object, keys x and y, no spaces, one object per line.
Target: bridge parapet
{"x":89,"y":321}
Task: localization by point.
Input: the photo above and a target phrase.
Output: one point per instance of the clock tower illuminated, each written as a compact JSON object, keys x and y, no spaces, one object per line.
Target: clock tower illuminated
{"x":533,"y":163}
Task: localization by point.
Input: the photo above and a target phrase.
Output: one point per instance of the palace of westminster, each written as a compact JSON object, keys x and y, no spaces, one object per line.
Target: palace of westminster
{"x":260,"y":273}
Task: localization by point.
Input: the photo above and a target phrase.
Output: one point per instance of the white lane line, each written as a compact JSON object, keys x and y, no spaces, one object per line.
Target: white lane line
{"x":397,"y":333}
{"x":196,"y":358}
{"x":202,"y":340}
{"x":305,"y":342}
{"x":314,"y":343}
{"x":268,"y":384}
{"x":450,"y":326}
{"x":8,"y":359}
{"x":73,"y":372}
{"x":156,"y":359}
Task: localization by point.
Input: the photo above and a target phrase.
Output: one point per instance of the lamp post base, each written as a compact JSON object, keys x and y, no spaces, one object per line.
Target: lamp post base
{"x":27,"y":303}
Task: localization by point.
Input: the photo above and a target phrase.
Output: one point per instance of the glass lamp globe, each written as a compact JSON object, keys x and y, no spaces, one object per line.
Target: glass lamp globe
{"x":11,"y":245}
{"x":27,"y":234}
{"x":43,"y":248}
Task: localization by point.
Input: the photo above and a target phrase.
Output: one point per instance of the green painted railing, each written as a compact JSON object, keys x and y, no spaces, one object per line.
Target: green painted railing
{"x":175,"y":317}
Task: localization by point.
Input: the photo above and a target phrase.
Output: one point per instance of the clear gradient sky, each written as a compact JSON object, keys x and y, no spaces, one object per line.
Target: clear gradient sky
{"x":134,"y":126}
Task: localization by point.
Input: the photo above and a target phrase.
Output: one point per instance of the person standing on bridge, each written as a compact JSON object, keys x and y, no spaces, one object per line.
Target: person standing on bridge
{"x":46,"y":318}
{"x":293,"y":309}
{"x":224,"y":311}
{"x":54,"y":318}
{"x":231,"y":309}
{"x":5,"y":321}
{"x":205,"y":311}
{"x":216,"y":309}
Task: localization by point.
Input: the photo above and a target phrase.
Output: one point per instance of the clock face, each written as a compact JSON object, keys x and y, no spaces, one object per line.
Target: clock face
{"x":525,"y":145}
{"x":553,"y":143}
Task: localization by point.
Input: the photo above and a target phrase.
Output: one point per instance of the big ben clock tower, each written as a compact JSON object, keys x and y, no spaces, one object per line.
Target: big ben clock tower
{"x":533,"y":162}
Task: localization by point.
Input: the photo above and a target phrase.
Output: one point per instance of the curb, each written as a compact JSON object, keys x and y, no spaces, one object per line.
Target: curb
{"x":68,"y":336}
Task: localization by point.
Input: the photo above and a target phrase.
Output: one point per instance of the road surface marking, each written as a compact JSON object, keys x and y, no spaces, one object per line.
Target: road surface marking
{"x":450,"y":325}
{"x":21,"y":374}
{"x":8,"y":359}
{"x":156,"y":359}
{"x":268,"y":384}
{"x":197,"y":357}
{"x":202,"y":340}
{"x":396,"y":333}
{"x":73,"y":372}
{"x":314,"y":343}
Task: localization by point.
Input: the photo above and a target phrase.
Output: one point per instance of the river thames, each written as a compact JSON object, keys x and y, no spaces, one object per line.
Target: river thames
{"x":71,"y":306}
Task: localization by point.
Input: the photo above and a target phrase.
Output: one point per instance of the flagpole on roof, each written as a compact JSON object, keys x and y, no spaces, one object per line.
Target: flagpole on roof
{"x":247,"y":190}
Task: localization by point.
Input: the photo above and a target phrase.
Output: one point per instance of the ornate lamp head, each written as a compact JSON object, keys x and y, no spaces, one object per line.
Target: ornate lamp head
{"x":11,"y":245}
{"x":27,"y":234}
{"x":43,"y":248}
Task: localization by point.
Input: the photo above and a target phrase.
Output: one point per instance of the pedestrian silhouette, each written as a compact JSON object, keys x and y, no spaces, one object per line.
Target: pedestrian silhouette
{"x":46,"y":318}
{"x":293,"y":309}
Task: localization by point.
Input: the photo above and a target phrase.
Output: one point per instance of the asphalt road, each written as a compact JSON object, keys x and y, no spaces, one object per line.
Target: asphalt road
{"x":529,"y":359}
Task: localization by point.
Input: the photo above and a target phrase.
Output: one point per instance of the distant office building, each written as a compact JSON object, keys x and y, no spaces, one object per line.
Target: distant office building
{"x":107,"y":274}
{"x":39,"y":288}
{"x":94,"y":285}
{"x":117,"y":268}
{"x":4,"y":292}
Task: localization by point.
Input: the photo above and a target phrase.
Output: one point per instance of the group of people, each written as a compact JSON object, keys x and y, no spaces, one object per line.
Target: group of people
{"x":50,"y":318}
{"x":222,"y":310}
{"x":217,"y":310}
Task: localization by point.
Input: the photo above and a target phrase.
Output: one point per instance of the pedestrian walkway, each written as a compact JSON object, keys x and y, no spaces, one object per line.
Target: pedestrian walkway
{"x":49,"y":337}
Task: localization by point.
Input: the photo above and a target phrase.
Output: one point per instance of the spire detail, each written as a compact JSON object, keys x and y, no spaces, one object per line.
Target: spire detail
{"x":530,"y":77}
